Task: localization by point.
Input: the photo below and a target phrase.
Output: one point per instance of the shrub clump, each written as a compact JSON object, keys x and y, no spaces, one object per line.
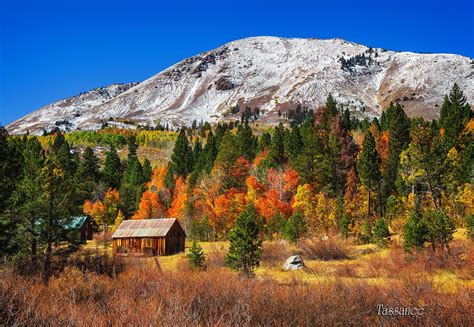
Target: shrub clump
{"x":328,"y":248}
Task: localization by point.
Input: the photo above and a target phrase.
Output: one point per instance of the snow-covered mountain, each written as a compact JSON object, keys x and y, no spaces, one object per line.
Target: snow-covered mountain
{"x":272,"y":73}
{"x":69,"y":112}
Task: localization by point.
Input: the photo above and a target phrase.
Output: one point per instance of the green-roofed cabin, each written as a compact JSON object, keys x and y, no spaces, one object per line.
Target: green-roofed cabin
{"x":163,"y":236}
{"x":81,"y":228}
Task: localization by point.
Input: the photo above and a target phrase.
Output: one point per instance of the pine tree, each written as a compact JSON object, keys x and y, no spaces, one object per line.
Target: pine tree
{"x":245,"y":247}
{"x":225,"y":160}
{"x":132,"y":185}
{"x":329,"y":112}
{"x":132,"y":146}
{"x":331,"y":105}
{"x":91,"y":164}
{"x":440,"y":229}
{"x":470,"y":227}
{"x":344,"y":224}
{"x":58,"y":208}
{"x":10,"y":167}
{"x":200,"y":229}
{"x":210,"y":152}
{"x":380,"y":232}
{"x":264,"y":141}
{"x":147,"y":170}
{"x":295,"y":227}
{"x":294,"y":143}
{"x":308,"y":162}
{"x":336,"y":173}
{"x":182,"y":157}
{"x":366,"y":235}
{"x":245,"y":141}
{"x":58,"y":141}
{"x":276,"y":225}
{"x":277,"y":156}
{"x":86,"y":177}
{"x":398,"y":125}
{"x":64,"y":157}
{"x":368,"y":166}
{"x":346,"y":120}
{"x":28,"y":202}
{"x":197,"y":155}
{"x":111,"y":173}
{"x":196,"y":258}
{"x":455,"y":113}
{"x":415,"y":233}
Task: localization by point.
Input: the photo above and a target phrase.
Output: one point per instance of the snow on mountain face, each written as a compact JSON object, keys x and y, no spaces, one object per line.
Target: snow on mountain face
{"x":274,"y":74}
{"x":67,"y":113}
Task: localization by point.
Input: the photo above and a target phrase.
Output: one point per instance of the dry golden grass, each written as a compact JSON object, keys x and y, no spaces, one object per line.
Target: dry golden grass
{"x":163,"y":290}
{"x":145,"y":296}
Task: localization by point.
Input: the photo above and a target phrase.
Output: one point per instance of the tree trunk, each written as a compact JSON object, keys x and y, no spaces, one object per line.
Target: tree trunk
{"x":379,"y":199}
{"x":105,"y":235}
{"x":47,"y":261}
{"x":34,"y":258}
{"x":428,"y":177}
{"x":368,"y":202}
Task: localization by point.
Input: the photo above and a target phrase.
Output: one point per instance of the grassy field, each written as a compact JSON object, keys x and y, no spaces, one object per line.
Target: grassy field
{"x":366,"y":263}
{"x":162,"y":291}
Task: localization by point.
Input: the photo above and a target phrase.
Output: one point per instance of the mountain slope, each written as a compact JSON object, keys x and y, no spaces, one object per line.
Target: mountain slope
{"x":274,"y":74}
{"x":67,"y":113}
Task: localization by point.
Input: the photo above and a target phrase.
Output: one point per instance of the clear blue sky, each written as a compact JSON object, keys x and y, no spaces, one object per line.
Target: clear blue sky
{"x":52,"y":50}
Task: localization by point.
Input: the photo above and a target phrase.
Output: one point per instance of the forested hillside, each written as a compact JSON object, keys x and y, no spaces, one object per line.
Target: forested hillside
{"x":327,"y":173}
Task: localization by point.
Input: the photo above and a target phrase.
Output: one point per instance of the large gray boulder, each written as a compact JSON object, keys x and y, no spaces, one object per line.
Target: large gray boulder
{"x":295,"y":262}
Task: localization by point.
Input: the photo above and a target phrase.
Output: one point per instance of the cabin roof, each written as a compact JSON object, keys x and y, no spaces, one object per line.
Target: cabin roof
{"x":76,"y":222}
{"x":145,"y":228}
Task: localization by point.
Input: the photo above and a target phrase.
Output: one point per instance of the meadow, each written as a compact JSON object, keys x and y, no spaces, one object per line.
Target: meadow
{"x":165,"y":290}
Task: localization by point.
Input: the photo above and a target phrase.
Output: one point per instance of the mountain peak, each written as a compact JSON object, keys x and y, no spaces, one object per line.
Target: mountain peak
{"x":274,"y":74}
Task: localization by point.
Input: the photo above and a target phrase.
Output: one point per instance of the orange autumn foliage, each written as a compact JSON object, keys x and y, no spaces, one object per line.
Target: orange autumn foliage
{"x":157,"y":181}
{"x":260,"y":157}
{"x":253,"y":183}
{"x":205,"y":197}
{"x":270,"y":204}
{"x":111,"y":198}
{"x":470,"y":126}
{"x":103,"y":212}
{"x":150,"y":206}
{"x":157,"y":184}
{"x":290,"y":180}
{"x":96,"y":210}
{"x":254,"y":188}
{"x":152,"y":203}
{"x":240,"y":168}
{"x":382,"y":148}
{"x":180,"y":196}
{"x":222,"y":209}
{"x":227,"y":207}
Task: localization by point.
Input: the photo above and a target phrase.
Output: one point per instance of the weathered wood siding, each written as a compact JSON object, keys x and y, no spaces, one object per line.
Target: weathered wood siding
{"x":172,"y":243}
{"x":175,"y":240}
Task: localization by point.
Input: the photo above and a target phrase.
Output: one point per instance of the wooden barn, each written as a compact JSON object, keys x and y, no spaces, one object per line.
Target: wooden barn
{"x":163,"y":236}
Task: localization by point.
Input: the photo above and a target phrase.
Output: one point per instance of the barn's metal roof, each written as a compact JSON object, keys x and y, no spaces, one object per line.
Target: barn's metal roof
{"x":144,"y":228}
